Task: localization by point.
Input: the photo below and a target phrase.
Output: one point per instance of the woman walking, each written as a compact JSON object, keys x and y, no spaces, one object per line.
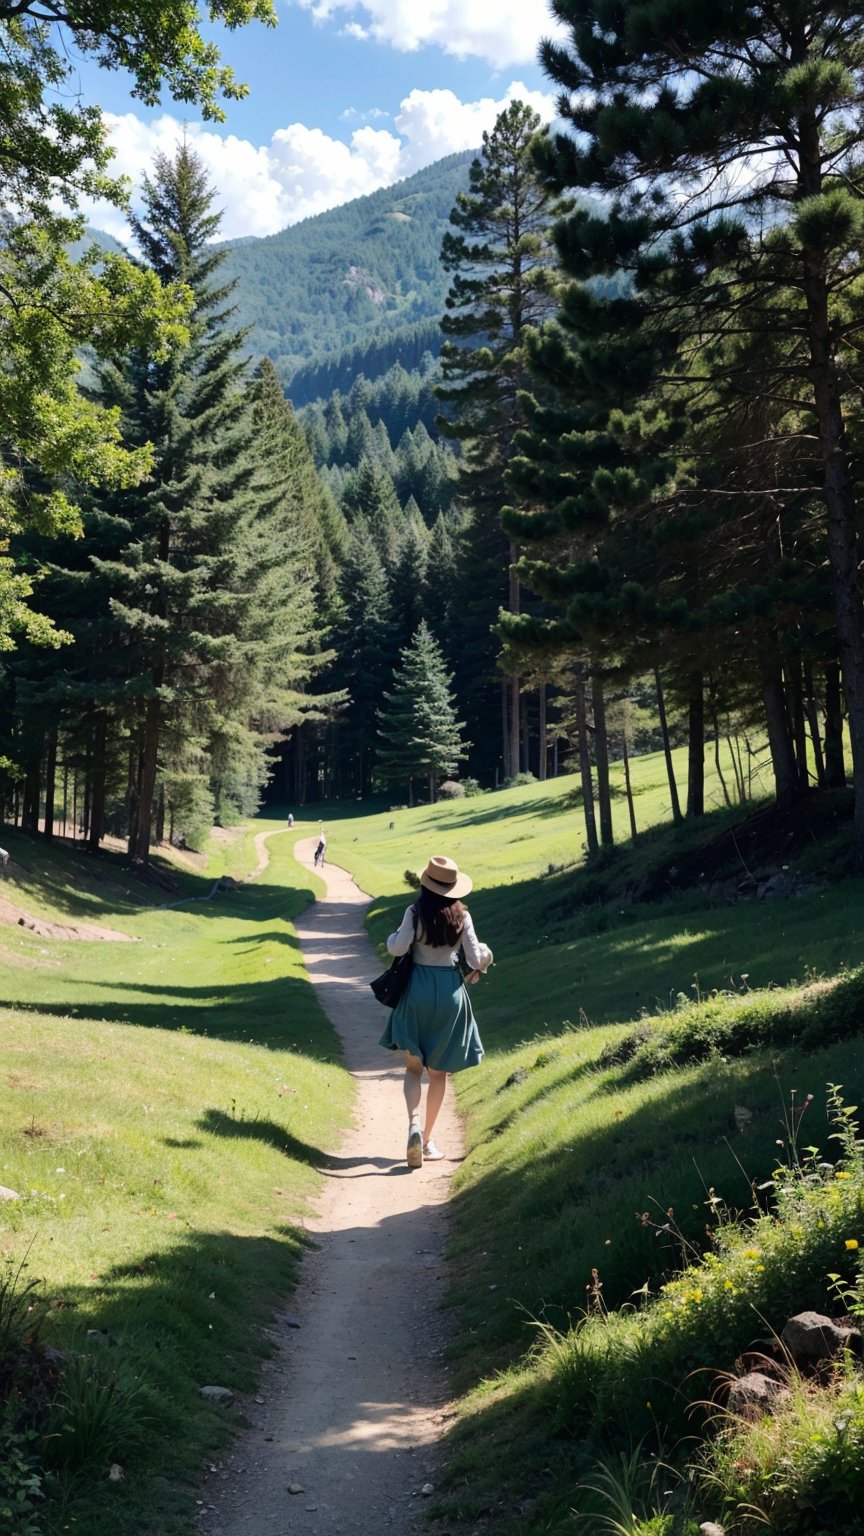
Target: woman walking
{"x":433,"y":1022}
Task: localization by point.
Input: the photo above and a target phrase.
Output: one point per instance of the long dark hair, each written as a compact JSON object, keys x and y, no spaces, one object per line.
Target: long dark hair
{"x":442,"y":920}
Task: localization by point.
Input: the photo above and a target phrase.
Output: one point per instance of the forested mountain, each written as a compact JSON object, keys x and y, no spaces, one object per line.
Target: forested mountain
{"x":365,"y":278}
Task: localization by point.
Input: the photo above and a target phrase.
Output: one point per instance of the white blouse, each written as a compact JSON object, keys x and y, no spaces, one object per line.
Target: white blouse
{"x":479,"y":956}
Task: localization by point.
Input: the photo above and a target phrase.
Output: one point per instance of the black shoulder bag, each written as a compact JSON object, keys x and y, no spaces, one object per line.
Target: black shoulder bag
{"x":389,"y":986}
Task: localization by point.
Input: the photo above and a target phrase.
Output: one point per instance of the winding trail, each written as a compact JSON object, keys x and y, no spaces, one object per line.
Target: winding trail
{"x":351,"y":1409}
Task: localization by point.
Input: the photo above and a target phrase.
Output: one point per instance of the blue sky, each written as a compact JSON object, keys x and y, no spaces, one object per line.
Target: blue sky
{"x":345,"y":96}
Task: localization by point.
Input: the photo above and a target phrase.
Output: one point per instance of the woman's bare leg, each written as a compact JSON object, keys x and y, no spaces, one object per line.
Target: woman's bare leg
{"x":434,"y":1100}
{"x":413,"y":1084}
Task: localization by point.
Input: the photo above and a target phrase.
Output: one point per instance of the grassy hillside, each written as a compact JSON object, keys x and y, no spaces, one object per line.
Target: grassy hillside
{"x":162,"y":1106}
{"x":606,"y":1158}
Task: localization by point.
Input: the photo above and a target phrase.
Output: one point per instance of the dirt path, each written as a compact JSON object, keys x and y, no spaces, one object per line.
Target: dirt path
{"x":351,"y":1409}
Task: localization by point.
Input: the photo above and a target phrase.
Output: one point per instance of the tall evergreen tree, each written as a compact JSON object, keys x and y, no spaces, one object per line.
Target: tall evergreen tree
{"x":501,"y":256}
{"x":184,"y":587}
{"x":419,"y":734}
{"x":702,"y":131}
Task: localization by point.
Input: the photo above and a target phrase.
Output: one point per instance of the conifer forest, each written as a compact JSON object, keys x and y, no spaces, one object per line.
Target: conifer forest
{"x":545,"y":456}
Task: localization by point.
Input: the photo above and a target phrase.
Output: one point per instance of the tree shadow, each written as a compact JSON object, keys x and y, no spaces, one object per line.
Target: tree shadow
{"x":279,"y":1014}
{"x":270,"y":1132}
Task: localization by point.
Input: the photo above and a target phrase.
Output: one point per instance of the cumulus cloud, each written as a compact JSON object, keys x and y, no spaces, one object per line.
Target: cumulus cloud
{"x":303,"y":171}
{"x":506,"y":32}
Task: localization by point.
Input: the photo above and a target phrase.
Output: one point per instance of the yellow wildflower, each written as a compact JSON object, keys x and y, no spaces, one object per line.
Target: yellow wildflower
{"x":851,"y":1243}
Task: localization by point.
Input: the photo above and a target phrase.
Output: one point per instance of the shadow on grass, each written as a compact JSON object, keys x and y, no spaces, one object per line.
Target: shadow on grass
{"x":565,"y":1193}
{"x":281,"y":1014}
{"x":267,"y":1131}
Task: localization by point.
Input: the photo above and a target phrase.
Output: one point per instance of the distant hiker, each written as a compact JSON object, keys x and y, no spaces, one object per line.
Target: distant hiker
{"x":290,"y":820}
{"x":433,"y":1022}
{"x":321,"y":849}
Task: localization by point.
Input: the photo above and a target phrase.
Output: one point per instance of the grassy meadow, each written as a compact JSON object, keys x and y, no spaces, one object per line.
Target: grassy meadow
{"x":637,"y":1089}
{"x":165,"y":1102}
{"x":163,"y":1106}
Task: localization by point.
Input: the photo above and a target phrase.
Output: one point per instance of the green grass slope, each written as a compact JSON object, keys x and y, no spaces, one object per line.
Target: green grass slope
{"x":163,"y":1107}
{"x":606,"y":1157}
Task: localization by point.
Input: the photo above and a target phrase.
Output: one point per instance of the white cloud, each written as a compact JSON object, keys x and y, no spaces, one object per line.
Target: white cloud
{"x":303,"y":171}
{"x":506,"y":32}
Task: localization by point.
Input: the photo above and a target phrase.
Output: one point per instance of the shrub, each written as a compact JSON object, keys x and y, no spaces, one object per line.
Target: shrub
{"x":20,"y":1483}
{"x":472,"y":787}
{"x":451,"y":789}
{"x":518,"y":779}
{"x":97,"y":1417}
{"x":412,"y":879}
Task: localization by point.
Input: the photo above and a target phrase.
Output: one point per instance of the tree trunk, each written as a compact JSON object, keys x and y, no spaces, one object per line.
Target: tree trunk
{"x":505,"y":728}
{"x":542,"y":747}
{"x":160,"y":815}
{"x":585,"y":766}
{"x":601,"y":752}
{"x":839,"y":488}
{"x":50,"y":780}
{"x":667,"y":751}
{"x":812,"y":715}
{"x":696,"y":745}
{"x":515,"y":695}
{"x":631,"y":809}
{"x":300,"y":764}
{"x":431,"y":789}
{"x":99,"y":771}
{"x":30,"y":809}
{"x":785,"y":767}
{"x":797,"y":721}
{"x":835,"y":763}
{"x":715,"y":730}
{"x":65,"y":799}
{"x":148,"y":769}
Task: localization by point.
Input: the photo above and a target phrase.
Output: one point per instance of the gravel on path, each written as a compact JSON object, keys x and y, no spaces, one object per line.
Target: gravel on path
{"x":346,"y":1429}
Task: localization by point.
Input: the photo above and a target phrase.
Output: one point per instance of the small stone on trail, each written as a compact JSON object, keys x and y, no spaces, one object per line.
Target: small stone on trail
{"x":289,"y":1322}
{"x":311,"y":1508}
{"x":216,"y":1394}
{"x":115,"y":1473}
{"x":296,"y":1488}
{"x":259,"y":1399}
{"x":427,"y":1489}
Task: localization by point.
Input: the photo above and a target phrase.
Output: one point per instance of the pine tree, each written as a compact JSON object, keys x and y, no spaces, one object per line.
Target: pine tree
{"x":184,"y":587}
{"x":365,"y":650}
{"x":755,"y":114}
{"x":504,"y":283}
{"x":418,"y":730}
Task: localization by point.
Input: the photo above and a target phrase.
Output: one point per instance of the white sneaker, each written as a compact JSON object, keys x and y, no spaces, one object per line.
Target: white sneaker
{"x":414,"y":1154}
{"x":432,"y":1153}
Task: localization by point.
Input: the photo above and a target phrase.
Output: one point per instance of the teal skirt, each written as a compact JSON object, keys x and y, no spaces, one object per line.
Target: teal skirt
{"x":433,"y":1019}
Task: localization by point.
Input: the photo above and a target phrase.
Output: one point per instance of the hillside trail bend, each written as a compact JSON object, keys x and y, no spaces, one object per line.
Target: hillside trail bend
{"x":352,"y":1407}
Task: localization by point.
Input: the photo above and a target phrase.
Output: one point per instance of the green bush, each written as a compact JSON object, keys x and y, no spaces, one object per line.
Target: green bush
{"x":451,"y":789}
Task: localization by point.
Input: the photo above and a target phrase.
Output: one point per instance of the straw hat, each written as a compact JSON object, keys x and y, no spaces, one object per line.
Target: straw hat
{"x":442,"y":876}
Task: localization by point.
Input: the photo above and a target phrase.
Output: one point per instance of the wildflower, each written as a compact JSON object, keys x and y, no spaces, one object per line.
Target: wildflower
{"x":751,"y":1253}
{"x":842,"y":1175}
{"x":851,"y":1244}
{"x":760,"y":1269}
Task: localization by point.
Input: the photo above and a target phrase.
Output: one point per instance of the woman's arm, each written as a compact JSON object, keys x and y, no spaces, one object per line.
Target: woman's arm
{"x":400,"y":942}
{"x":478,"y":955}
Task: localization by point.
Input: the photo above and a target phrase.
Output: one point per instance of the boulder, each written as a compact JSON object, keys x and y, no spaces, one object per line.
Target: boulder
{"x":221,"y":1395}
{"x":752,"y":1395}
{"x":8,"y":1194}
{"x":811,"y":1338}
{"x":711,"y":1528}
